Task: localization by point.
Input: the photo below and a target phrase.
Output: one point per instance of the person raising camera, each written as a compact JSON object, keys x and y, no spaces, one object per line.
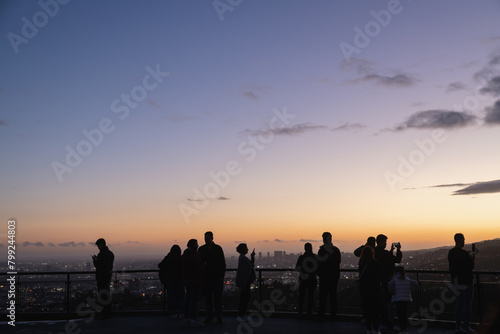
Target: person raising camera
{"x":387,"y":261}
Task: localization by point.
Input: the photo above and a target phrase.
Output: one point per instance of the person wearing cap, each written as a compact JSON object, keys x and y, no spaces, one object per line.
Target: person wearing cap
{"x":103,"y":263}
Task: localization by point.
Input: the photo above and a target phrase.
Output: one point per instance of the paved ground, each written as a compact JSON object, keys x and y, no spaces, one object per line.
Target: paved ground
{"x":162,"y":324}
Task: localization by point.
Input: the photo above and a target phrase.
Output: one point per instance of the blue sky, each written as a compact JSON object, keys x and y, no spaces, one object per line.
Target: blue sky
{"x":226,"y":79}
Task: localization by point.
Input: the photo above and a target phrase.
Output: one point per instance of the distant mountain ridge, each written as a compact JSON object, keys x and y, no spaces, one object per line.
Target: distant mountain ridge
{"x":488,"y":258}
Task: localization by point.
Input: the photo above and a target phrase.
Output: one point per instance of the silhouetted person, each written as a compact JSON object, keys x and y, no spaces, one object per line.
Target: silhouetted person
{"x":307,"y":266}
{"x":401,"y":287}
{"x":461,"y":265}
{"x":103,"y":263}
{"x":369,"y":242}
{"x":214,"y":261}
{"x":370,"y":288}
{"x":171,"y":277}
{"x":387,"y":260}
{"x":329,"y":273}
{"x":245,"y":275}
{"x":192,"y":268}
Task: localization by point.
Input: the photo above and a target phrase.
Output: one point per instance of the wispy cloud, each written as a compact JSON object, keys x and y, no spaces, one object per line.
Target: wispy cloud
{"x":492,"y":86}
{"x":349,"y":127}
{"x":254,"y":92}
{"x":67,"y":244}
{"x":51,"y":244}
{"x":293,"y":130}
{"x":309,"y":240}
{"x":365,"y":70}
{"x":279,"y":240}
{"x":493,"y":114}
{"x":222,"y":198}
{"x":455,"y":86}
{"x":397,"y":80}
{"x":2,"y":122}
{"x":436,"y":119}
{"x":37,"y":244}
{"x":480,"y":188}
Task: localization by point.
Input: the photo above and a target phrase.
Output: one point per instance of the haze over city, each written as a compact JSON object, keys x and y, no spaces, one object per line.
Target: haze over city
{"x":267,"y":122}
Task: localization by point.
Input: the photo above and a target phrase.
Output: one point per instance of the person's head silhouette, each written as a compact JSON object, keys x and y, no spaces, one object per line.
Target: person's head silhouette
{"x":459,"y":240}
{"x":242,"y":248}
{"x":327,"y":238}
{"x":100,"y":243}
{"x":381,"y":241}
{"x":175,"y":250}
{"x":308,"y":247}
{"x":192,"y":244}
{"x":370,"y":242}
{"x":209,"y":237}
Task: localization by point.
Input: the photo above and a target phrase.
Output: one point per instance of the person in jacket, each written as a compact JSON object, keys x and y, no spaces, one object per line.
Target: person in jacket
{"x":212,"y":257}
{"x":329,"y":274}
{"x":171,"y":278}
{"x":401,"y":287}
{"x":103,"y":263}
{"x":192,"y":277}
{"x":387,"y":261}
{"x":461,"y":264}
{"x":370,"y":288}
{"x":245,"y":275}
{"x":307,"y":266}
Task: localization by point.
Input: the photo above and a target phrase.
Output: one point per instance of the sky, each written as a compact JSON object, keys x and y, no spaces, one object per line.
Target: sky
{"x":148,"y":123}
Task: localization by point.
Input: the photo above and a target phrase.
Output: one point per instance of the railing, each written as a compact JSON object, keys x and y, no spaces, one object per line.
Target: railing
{"x":72,"y":292}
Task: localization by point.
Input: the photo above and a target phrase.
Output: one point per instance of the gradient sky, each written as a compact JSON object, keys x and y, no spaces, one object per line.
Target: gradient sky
{"x":310,"y":113}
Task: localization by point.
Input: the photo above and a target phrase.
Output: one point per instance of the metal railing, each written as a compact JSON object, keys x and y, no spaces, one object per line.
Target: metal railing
{"x":141,"y":289}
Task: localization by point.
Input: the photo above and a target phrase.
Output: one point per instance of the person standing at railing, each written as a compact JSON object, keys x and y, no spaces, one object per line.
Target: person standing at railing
{"x":307,"y":265}
{"x":192,"y":268}
{"x":387,"y":261}
{"x":369,"y":242}
{"x":461,"y":264}
{"x":171,"y":278}
{"x":245,"y":275}
{"x":370,"y":288}
{"x":329,"y":274}
{"x":103,"y":263}
{"x":212,"y":257}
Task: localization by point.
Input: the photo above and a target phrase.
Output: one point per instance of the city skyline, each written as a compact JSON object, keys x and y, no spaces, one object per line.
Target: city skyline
{"x":265,"y":122}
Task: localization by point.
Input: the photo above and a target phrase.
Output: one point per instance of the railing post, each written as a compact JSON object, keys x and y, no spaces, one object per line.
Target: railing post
{"x":68,"y":292}
{"x":419,"y":297}
{"x":260,"y":286}
{"x":479,"y":298}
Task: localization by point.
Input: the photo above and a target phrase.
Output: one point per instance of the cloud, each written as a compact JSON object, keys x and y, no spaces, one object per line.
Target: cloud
{"x":135,"y":243}
{"x":222,"y":198}
{"x":492,"y":87}
{"x":253,"y":92}
{"x":367,"y":73}
{"x":293,"y":130}
{"x":349,"y":127}
{"x":240,"y":242}
{"x":251,"y":95}
{"x":437,"y":119}
{"x":50,"y":244}
{"x":27,"y":243}
{"x":279,"y":240}
{"x":493,"y":114}
{"x":450,"y":185}
{"x":480,"y":188}
{"x":196,"y":200}
{"x":2,"y":122}
{"x":67,"y":244}
{"x":309,"y":240}
{"x":398,"y":80}
{"x":455,"y":86}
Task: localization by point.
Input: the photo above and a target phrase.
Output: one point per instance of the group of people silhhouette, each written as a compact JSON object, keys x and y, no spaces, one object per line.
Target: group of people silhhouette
{"x":201,"y":270}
